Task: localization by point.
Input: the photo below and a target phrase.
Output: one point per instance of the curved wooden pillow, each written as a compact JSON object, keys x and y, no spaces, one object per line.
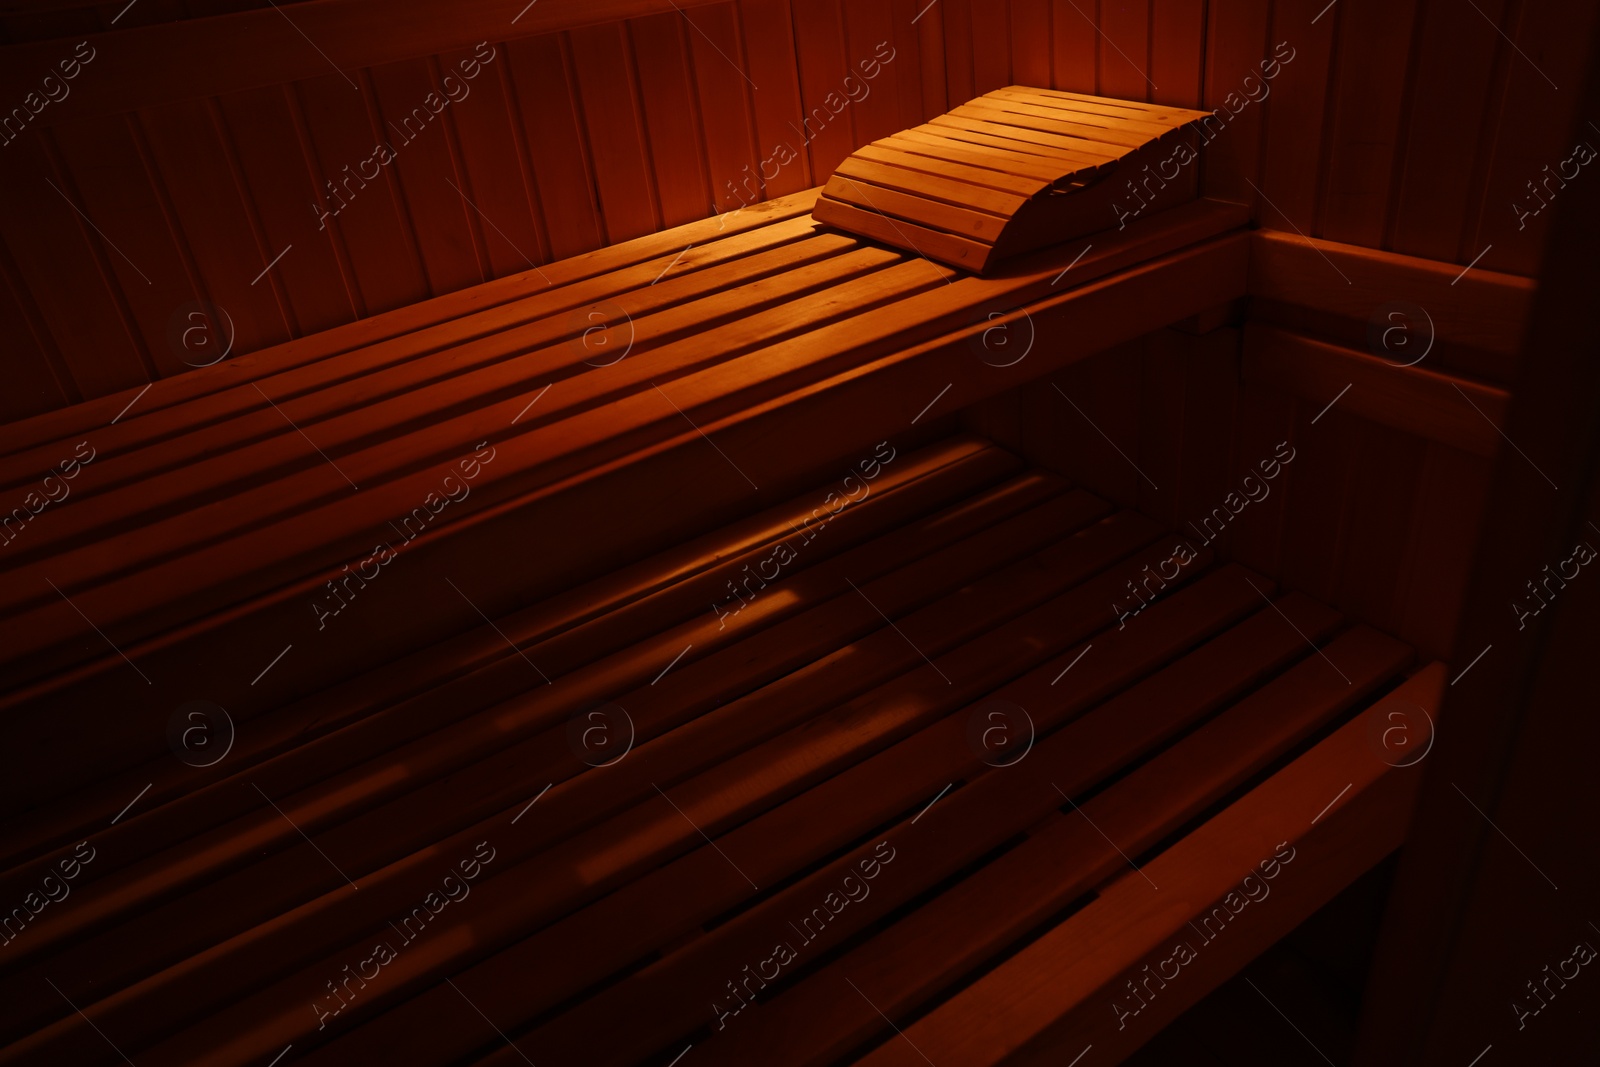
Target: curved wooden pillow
{"x":1011,"y":171}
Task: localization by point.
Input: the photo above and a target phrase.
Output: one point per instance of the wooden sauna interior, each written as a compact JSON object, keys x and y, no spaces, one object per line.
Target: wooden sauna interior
{"x":671,"y":532}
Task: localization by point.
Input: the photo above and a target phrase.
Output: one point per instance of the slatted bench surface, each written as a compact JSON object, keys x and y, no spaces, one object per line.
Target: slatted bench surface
{"x":229,"y":482}
{"x":811,"y":729}
{"x":1012,"y":170}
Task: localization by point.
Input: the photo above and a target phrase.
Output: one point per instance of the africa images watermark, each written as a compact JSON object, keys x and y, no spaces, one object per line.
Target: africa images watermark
{"x":851,"y":888}
{"x":55,"y":490}
{"x":1251,"y":889}
{"x":52,"y":90}
{"x":452,"y":888}
{"x":811,"y":125}
{"x":451,"y":490}
{"x":411,"y":127}
{"x":784,"y":553}
{"x":1209,"y":129}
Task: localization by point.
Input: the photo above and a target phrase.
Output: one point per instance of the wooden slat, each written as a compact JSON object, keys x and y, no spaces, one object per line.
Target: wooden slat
{"x":1365,"y":124}
{"x":1053,"y":998}
{"x":948,"y":247}
{"x":930,"y":186}
{"x":1233,"y":156}
{"x":955,"y":120}
{"x":233,"y":417}
{"x":604,"y":68}
{"x":413,"y":330}
{"x":1438,"y":407}
{"x":1120,"y":132}
{"x":1296,"y":117}
{"x":849,"y":186}
{"x":1093,"y":314}
{"x":725,"y":107}
{"x":603,"y":614}
{"x":1480,"y":309}
{"x":827,"y":115}
{"x":1007,"y":898}
{"x":653,"y":832}
{"x":898,"y":152}
{"x":509,"y":739}
{"x":732,"y":322}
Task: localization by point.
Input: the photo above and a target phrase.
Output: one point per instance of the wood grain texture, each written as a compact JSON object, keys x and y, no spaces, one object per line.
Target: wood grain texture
{"x":1377,"y":134}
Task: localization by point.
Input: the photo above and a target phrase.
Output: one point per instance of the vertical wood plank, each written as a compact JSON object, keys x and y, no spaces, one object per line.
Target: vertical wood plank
{"x":1535,"y":132}
{"x":65,"y":282}
{"x":1374,"y":48}
{"x":545,"y":103}
{"x":1075,"y":48}
{"x":991,"y":46}
{"x":1177,"y":51}
{"x":1381,"y":505}
{"x":1450,"y":86}
{"x":1318,"y":491}
{"x":935,"y":83}
{"x":820,"y":41}
{"x":38,"y":382}
{"x":769,"y":42}
{"x":1450,"y":508}
{"x":495,"y":177}
{"x":1266,"y":424}
{"x":273,"y":171}
{"x":1232,"y":157}
{"x":112,"y":188}
{"x":1125,"y":49}
{"x":1030,"y":42}
{"x":372,"y":225}
{"x":906,"y":41}
{"x":1161,"y":427}
{"x":725,"y":87}
{"x":426,"y":176}
{"x":193,"y":163}
{"x":677,"y":157}
{"x":1210,"y":381}
{"x":1291,"y":169}
{"x":875,"y":106}
{"x":958,"y":51}
{"x":607,"y":99}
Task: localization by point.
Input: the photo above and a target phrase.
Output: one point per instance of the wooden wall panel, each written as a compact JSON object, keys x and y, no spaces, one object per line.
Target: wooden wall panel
{"x":603,"y":63}
{"x":216,"y":222}
{"x":666,"y":93}
{"x":1075,"y":50}
{"x":1125,"y":49}
{"x":1177,"y":53}
{"x":381,"y":239}
{"x":1369,"y":92}
{"x":557,"y":155}
{"x":1237,"y":33}
{"x":497,"y":182}
{"x":1374,"y":519}
{"x":725,"y":87}
{"x":1534,"y":130}
{"x":1295,"y":110}
{"x":1030,"y":42}
{"x":785,"y":165}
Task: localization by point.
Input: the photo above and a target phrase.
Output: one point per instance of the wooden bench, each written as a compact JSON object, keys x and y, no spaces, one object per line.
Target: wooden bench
{"x":706,"y":695}
{"x":772,"y":751}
